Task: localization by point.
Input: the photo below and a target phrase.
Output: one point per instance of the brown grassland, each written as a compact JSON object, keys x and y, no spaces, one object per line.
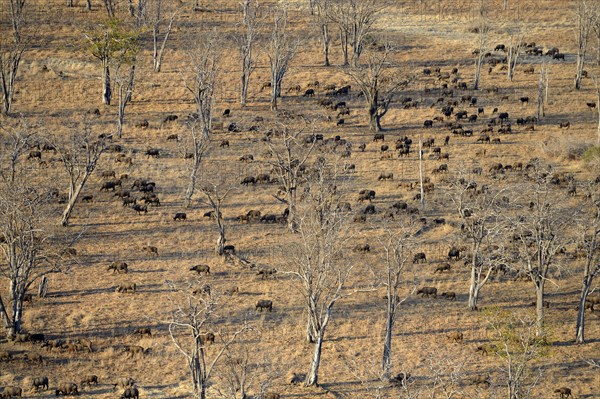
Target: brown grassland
{"x":58,"y":83}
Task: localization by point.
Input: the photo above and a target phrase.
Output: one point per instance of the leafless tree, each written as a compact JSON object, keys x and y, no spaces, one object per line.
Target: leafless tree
{"x":27,"y":248}
{"x":282,"y":49}
{"x":588,"y":228}
{"x":340,"y":14}
{"x":542,"y":92}
{"x":596,"y":79}
{"x":366,"y":372}
{"x":111,"y":7}
{"x":378,"y":85}
{"x":515,"y":341}
{"x":157,"y":19}
{"x":79,"y":155}
{"x":216,"y":188}
{"x":245,"y":42}
{"x":314,"y":258}
{"x":198,"y":143}
{"x":398,"y":278}
{"x":483,"y":43}
{"x":356,"y":20}
{"x":239,"y":369}
{"x":191,"y":317}
{"x":204,"y":70}
{"x":447,"y":374}
{"x":596,"y":11}
{"x":288,"y":158}
{"x":586,"y":19}
{"x":19,"y":139}
{"x":482,"y":228}
{"x":515,"y":48}
{"x":323,"y":18}
{"x":13,"y":44}
{"x":539,"y":231}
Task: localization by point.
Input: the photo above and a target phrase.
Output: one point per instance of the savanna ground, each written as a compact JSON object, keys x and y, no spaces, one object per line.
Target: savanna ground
{"x":58,"y":83}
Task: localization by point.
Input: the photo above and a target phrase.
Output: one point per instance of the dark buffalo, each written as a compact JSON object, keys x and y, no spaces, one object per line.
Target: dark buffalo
{"x":420,"y":257}
{"x":454,"y":253}
{"x":427,"y":292}
{"x":180,"y":216}
{"x":264,"y":304}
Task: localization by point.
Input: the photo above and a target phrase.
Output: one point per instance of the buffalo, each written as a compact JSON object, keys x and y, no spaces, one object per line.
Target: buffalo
{"x":201,"y":269}
{"x":419,"y":257}
{"x":264,"y":304}
{"x":40,"y":382}
{"x":565,"y":393}
{"x":12,"y":391}
{"x":126,"y":287}
{"x":89,"y":380}
{"x":248,"y":180}
{"x":207,"y":337}
{"x":455,"y":336}
{"x":427,"y":292}
{"x":153,"y":152}
{"x":265,"y":272}
{"x":180,"y":216}
{"x":68,"y":388}
{"x":443,"y":267}
{"x":131,"y":392}
{"x":118,"y":267}
{"x":454,"y":253}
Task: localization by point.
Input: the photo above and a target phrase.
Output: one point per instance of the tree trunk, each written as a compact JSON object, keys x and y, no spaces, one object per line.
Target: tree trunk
{"x":312,"y":378}
{"x":244,"y":91}
{"x":386,"y":363}
{"x":158,"y":53}
{"x":17,"y":293}
{"x":598,"y":108}
{"x":580,"y":328}
{"x":579,"y":72}
{"x":192,"y":184}
{"x":598,"y":50}
{"x":43,"y":287}
{"x":325,"y":36}
{"x":540,"y":103}
{"x":539,"y":307}
{"x":421,"y":174}
{"x":8,"y":81}
{"x":374,"y":125}
{"x":291,"y":219}
{"x":478,"y":66}
{"x":473,"y":289}
{"x":75,"y":195}
{"x":220,"y":247}
{"x":344,"y":45}
{"x":155,"y":60}
{"x":106,"y":88}
{"x":274,"y":94}
{"x":121,"y":118}
{"x":4,"y":315}
{"x":198,"y":382}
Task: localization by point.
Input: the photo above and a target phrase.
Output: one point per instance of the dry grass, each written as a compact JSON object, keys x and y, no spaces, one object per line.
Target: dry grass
{"x":59,"y":83}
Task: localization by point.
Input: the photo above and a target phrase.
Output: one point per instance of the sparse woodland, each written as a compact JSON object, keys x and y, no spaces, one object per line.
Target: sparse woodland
{"x":300,"y":199}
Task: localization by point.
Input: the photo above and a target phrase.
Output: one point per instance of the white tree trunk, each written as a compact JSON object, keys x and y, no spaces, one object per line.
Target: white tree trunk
{"x":72,"y":200}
